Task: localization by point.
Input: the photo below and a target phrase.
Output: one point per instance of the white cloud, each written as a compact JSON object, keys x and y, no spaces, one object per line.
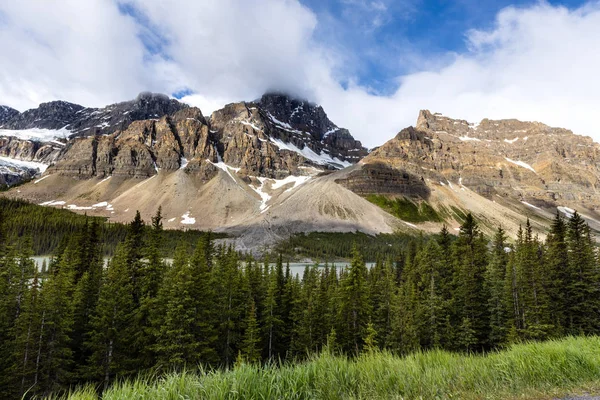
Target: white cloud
{"x":83,"y":51}
{"x":537,"y":63}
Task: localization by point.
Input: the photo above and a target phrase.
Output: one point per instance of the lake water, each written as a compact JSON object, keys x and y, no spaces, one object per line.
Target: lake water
{"x":296,"y":268}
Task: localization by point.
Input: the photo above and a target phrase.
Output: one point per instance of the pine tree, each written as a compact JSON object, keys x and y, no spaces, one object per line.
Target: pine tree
{"x":428,"y":276}
{"x":534,"y":300}
{"x":229,"y":297}
{"x":557,"y":271}
{"x":176,"y":343}
{"x":251,"y":347}
{"x":583,"y":283}
{"x":470,"y":255}
{"x":26,"y":327}
{"x":272,"y":321}
{"x":88,"y":272}
{"x":382,"y":296}
{"x":355,"y":311}
{"x":370,"y":338}
{"x":151,"y":275}
{"x":205,"y":308}
{"x":54,"y":358}
{"x":113,"y":323}
{"x":495,"y":281}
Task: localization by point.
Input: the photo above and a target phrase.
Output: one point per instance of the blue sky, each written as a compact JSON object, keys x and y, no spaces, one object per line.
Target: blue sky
{"x":371,"y":64}
{"x":377,"y":32}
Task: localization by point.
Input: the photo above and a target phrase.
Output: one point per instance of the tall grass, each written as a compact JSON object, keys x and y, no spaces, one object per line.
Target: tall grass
{"x":531,"y":370}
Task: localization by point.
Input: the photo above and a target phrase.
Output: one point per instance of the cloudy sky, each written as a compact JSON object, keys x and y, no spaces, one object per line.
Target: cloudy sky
{"x":372,"y":64}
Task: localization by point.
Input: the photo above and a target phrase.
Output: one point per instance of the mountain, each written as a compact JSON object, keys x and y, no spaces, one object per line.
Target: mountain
{"x":7,"y":113}
{"x":265,"y":169}
{"x":499,"y":170}
{"x":230,"y":171}
{"x":83,"y":121}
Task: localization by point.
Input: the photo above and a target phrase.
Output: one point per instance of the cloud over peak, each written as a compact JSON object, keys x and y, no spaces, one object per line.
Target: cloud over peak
{"x":534,"y":63}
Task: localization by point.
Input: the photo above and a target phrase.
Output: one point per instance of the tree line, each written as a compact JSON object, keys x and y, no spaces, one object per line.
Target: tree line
{"x":51,"y":228}
{"x":80,"y":321}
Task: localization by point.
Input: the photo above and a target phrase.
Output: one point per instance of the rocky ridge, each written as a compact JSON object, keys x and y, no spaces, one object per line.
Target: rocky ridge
{"x":262,"y":176}
{"x":7,"y":113}
{"x":243,"y":136}
{"x":527,"y":166}
{"x":84,"y":121}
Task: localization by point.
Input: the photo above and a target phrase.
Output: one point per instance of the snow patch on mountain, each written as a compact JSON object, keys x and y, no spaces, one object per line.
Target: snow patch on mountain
{"x":297,"y":180}
{"x":468,"y":138}
{"x":520,"y":164}
{"x":224,"y":167}
{"x":186,"y":219}
{"x":37,"y":134}
{"x":566,"y":210}
{"x":309,"y":154}
{"x":183,"y":162}
{"x":265,"y":197}
{"x":11,"y":162}
{"x":41,"y":179}
{"x":530,"y":205}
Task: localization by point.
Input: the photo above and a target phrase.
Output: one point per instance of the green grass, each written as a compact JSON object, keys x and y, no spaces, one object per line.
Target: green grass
{"x":533,"y":370}
{"x":405,"y":209}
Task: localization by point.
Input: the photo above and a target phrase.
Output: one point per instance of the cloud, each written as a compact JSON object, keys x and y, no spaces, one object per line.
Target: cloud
{"x":535,"y":63}
{"x":85,"y":51}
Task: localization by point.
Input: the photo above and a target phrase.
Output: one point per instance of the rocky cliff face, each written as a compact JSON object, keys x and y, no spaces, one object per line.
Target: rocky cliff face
{"x":83,"y":121}
{"x":296,"y":119}
{"x":40,"y":134}
{"x":51,"y":115}
{"x":243,"y":136}
{"x":532,"y":164}
{"x":142,"y":149}
{"x":7,"y":113}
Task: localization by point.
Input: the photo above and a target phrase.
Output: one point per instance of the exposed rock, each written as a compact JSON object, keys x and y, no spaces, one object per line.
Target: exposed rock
{"x":7,"y":113}
{"x":308,"y":118}
{"x":140,"y":150}
{"x":82,"y":121}
{"x":94,"y":121}
{"x":525,"y":161}
{"x":51,"y":115}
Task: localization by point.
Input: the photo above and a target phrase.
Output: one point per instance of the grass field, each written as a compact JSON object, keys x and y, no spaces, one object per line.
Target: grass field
{"x":526,"y":371}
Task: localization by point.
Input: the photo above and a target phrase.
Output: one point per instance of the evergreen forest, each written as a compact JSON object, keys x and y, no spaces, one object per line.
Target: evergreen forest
{"x":79,"y":321}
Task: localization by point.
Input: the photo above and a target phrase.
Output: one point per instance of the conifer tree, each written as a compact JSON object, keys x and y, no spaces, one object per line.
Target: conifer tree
{"x":429,"y":282}
{"x":26,"y":327}
{"x":582,"y":287}
{"x":355,"y":311}
{"x":382,"y":297}
{"x":556,"y":264}
{"x":203,"y":293}
{"x":113,"y":326}
{"x":470,"y":255}
{"x":227,"y":279}
{"x":150,"y":275}
{"x":54,"y":358}
{"x":88,"y":272}
{"x":251,"y":347}
{"x":176,"y":344}
{"x":272,"y":321}
{"x":495,"y":281}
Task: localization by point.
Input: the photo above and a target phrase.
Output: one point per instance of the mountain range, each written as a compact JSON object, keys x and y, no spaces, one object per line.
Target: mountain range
{"x":265,"y":169}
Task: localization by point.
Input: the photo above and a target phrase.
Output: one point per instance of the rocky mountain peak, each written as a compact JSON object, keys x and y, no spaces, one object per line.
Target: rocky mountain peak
{"x":50,"y":115}
{"x":487,"y":129}
{"x":7,"y":113}
{"x":299,"y":114}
